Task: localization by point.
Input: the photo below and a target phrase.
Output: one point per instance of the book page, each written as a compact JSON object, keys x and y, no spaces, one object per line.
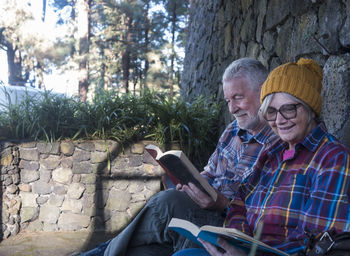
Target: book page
{"x":154,"y":151}
{"x":240,"y":239}
{"x":181,"y":171}
{"x":184,"y":224}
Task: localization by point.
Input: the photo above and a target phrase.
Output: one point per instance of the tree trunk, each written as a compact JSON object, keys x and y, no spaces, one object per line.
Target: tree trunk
{"x":147,"y":29}
{"x":172,"y":58}
{"x":83,"y":35}
{"x":126,"y":55}
{"x":14,"y":61}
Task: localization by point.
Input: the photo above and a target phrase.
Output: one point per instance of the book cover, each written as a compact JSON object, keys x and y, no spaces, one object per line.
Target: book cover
{"x":180,"y":169}
{"x":211,"y":234}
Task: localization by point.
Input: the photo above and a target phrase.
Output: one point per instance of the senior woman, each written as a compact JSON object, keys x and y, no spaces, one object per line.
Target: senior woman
{"x":302,"y":182}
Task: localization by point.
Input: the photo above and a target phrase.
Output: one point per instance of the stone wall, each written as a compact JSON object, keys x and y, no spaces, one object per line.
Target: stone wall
{"x":87,"y":185}
{"x":275,"y":32}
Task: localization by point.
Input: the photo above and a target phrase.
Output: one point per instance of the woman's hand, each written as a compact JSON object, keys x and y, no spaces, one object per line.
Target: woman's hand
{"x":229,"y":250}
{"x":202,"y":199}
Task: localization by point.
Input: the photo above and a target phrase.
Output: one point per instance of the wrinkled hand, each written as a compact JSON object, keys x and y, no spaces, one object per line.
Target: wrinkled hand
{"x":229,"y":249}
{"x":202,"y":199}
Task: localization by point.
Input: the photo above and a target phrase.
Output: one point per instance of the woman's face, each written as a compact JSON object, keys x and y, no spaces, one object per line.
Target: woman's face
{"x":293,"y":125}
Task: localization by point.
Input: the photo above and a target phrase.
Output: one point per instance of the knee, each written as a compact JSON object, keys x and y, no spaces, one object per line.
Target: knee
{"x":170,"y":195}
{"x":172,"y":199}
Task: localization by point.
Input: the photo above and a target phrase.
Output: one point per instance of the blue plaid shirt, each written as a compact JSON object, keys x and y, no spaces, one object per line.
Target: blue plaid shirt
{"x":309,"y":191}
{"x":236,"y":153}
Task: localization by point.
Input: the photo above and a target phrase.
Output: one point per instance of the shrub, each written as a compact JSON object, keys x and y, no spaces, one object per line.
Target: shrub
{"x":120,"y":117}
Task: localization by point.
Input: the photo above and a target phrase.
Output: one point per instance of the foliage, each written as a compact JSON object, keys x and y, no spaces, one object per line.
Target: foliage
{"x":132,"y":43}
{"x":192,"y":124}
{"x":116,"y":116}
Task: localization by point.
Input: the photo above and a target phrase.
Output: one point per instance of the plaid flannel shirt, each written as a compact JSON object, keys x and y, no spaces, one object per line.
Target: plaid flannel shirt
{"x":309,"y":191}
{"x":236,"y":153}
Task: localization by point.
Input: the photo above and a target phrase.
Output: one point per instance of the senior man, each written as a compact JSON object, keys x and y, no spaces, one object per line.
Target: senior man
{"x":237,"y":151}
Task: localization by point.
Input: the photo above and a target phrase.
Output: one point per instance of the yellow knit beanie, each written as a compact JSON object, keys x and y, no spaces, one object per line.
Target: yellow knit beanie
{"x":302,"y":80}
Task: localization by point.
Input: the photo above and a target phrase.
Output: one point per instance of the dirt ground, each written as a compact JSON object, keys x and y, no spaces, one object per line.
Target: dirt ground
{"x":50,"y":243}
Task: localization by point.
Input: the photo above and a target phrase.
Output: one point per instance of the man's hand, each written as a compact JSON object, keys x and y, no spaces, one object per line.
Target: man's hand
{"x":202,"y":199}
{"x":229,"y":250}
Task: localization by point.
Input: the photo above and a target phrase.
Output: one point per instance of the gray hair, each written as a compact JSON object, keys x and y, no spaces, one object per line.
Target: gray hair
{"x":253,"y":71}
{"x":267,"y":100}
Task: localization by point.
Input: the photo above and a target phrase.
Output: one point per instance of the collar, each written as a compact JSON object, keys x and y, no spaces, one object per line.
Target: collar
{"x":311,"y":141}
{"x":264,"y":136}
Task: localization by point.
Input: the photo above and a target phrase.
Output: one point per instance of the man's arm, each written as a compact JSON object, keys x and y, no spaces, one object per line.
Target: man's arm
{"x":202,"y":199}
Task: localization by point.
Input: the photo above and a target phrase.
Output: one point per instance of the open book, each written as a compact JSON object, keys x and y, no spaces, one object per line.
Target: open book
{"x":211,"y":234}
{"x":180,"y":169}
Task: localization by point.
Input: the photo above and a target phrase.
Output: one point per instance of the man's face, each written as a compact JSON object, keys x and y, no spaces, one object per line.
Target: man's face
{"x":243,"y":104}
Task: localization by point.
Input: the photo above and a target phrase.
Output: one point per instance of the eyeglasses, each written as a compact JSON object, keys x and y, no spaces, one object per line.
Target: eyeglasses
{"x":288,"y":111}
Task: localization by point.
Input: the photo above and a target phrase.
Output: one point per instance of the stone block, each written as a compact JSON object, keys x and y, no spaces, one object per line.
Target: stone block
{"x":42,"y":200}
{"x":34,"y":226}
{"x":28,"y":144}
{"x":6,"y":160}
{"x":71,"y":221}
{"x":75,"y":191}
{"x":109,"y":145}
{"x":150,"y":193}
{"x":25,"y":187}
{"x":329,"y":23}
{"x":101,"y":145}
{"x":276,"y":12}
{"x":100,"y":168}
{"x":90,"y":188}
{"x":81,"y":155}
{"x":137,"y":148}
{"x":56,"y":200}
{"x":88,"y":178}
{"x":7,"y":181}
{"x":49,"y":148}
{"x":28,"y":176}
{"x":344,"y":35}
{"x":98,"y":157}
{"x":138,"y":198}
{"x":76,"y":178}
{"x":117,"y":222}
{"x":136,"y":186}
{"x":11,"y":189}
{"x":86,"y":145}
{"x":67,"y":162}
{"x":41,"y":188}
{"x":5,"y":215}
{"x":50,"y":227}
{"x":121,"y":184}
{"x":30,"y":154}
{"x":120,"y":164}
{"x":49,"y":214}
{"x":51,"y":162}
{"x":118,"y":200}
{"x":67,"y":148}
{"x":134,"y":208}
{"x":45,"y":175}
{"x":62,"y":175}
{"x":59,"y":190}
{"x":153,"y":185}
{"x":72,"y":205}
{"x":336,"y":96}
{"x":135,"y":160}
{"x":29,"y":214}
{"x":15,"y":178}
{"x":28,"y":199}
{"x":82,"y":167}
{"x":14,"y":229}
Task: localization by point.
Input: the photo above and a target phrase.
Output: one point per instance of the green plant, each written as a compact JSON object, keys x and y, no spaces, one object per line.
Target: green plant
{"x":192,"y":124}
{"x":116,"y":116}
